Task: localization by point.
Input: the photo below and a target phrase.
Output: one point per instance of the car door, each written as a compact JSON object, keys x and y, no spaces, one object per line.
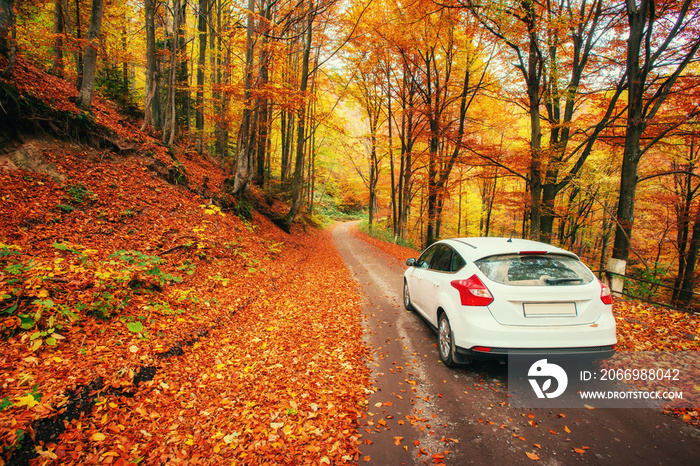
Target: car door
{"x":435,"y":280}
{"x":418,"y":277}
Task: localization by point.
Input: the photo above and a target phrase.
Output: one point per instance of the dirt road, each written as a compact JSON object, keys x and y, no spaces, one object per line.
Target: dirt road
{"x":422,"y":412}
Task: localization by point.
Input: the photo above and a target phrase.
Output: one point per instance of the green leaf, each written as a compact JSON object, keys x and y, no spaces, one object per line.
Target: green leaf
{"x":14,"y":269}
{"x":34,"y":336}
{"x":135,"y":327}
{"x":60,"y":246}
{"x":26,"y":322}
{"x":47,"y":303}
{"x":51,"y":341}
{"x":10,"y":309}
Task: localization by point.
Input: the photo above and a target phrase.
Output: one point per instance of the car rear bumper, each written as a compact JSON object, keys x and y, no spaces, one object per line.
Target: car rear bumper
{"x":475,"y":328}
{"x":501,"y":354}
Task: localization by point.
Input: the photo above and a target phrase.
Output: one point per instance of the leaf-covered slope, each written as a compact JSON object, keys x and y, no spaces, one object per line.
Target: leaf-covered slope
{"x":140,"y":322}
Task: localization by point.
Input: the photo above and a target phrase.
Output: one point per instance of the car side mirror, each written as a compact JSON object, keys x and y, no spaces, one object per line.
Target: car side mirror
{"x":411,"y":262}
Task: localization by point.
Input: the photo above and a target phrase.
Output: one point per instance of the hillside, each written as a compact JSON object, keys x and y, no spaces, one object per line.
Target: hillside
{"x":143,"y":322}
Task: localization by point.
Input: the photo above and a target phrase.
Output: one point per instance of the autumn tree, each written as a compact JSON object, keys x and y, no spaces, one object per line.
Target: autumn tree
{"x":663,"y":39}
{"x":686,"y":188}
{"x":370,"y":94}
{"x":449,"y":59}
{"x":556,"y":49}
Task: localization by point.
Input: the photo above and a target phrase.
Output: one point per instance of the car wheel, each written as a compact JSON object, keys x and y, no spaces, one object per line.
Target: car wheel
{"x":445,"y":341}
{"x":406,"y":297}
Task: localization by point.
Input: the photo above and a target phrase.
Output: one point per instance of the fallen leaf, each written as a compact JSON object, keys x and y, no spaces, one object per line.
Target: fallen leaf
{"x":27,"y":400}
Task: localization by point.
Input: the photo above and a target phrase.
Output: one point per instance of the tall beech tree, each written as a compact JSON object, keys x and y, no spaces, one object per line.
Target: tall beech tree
{"x":297,"y":180}
{"x":58,"y":28}
{"x":202,"y":12}
{"x":87,"y":87}
{"x":152,"y":106}
{"x":246,"y":142}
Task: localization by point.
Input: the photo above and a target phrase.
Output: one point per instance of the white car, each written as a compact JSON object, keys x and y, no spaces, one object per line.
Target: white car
{"x":491,"y":297}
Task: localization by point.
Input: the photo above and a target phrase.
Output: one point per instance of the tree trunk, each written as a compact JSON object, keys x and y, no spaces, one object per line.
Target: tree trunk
{"x":407,"y":139}
{"x":242,"y":177}
{"x":299,"y":157}
{"x":201,"y":65}
{"x":394,"y":209}
{"x":431,"y":100}
{"x":533,"y":93}
{"x":262,"y":102}
{"x":87,"y":87}
{"x":170,"y":126}
{"x":687,"y":287}
{"x":78,"y":55}
{"x":125,"y":63}
{"x":153,"y":110}
{"x":635,"y":128}
{"x":642,"y":108}
{"x":7,"y":35}
{"x":222,"y":139}
{"x":57,"y":63}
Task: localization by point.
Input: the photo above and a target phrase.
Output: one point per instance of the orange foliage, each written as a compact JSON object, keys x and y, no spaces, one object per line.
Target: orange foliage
{"x":161,"y":329}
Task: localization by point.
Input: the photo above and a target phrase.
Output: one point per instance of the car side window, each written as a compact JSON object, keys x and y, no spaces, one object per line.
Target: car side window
{"x":426,"y":257}
{"x":443,"y":259}
{"x":457,"y":262}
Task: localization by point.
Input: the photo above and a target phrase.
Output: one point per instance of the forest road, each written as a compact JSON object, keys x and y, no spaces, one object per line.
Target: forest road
{"x":422,"y":412}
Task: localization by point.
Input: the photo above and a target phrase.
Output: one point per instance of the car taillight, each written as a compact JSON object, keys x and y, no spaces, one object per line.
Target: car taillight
{"x":472,"y":292}
{"x":605,"y":294}
{"x":482,"y":349}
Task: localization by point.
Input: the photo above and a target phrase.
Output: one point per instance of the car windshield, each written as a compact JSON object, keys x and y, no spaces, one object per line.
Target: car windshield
{"x":535,"y":270}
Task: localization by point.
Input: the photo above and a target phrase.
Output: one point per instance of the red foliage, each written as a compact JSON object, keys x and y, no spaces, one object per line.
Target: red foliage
{"x":118,"y":274}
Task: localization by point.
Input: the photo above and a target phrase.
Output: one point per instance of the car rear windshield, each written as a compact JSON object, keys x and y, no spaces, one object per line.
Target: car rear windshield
{"x":535,"y":270}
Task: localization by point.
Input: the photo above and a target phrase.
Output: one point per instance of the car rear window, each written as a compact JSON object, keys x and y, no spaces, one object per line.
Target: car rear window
{"x":535,"y":270}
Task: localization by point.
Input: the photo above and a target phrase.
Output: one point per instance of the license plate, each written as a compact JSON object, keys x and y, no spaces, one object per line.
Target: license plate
{"x":549,"y":309}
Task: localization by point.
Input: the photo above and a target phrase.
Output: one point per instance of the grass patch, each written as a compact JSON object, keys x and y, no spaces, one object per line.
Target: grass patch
{"x":382,"y":231}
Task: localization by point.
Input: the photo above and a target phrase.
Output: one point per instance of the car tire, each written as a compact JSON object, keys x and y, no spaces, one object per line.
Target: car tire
{"x":446,"y":341}
{"x":407,"y":297}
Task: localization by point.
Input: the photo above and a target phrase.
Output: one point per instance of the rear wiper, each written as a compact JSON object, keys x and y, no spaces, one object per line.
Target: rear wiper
{"x":558,"y":281}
